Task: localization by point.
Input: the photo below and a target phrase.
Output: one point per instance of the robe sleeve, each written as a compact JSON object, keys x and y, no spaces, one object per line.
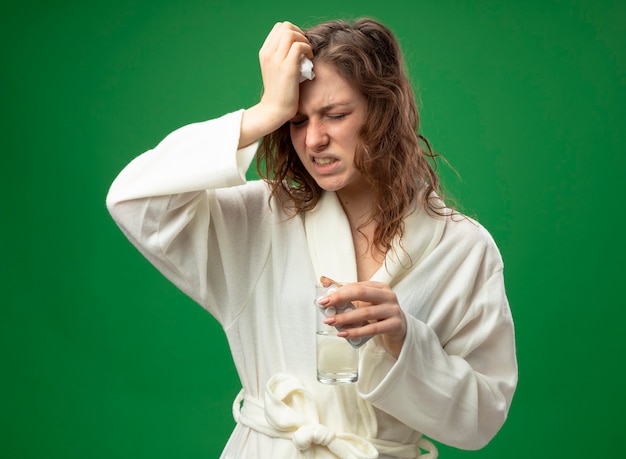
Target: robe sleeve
{"x":456,"y":374}
{"x":186,"y":207}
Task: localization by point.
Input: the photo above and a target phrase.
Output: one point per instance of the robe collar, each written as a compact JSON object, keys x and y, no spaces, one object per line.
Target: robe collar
{"x":332,"y":249}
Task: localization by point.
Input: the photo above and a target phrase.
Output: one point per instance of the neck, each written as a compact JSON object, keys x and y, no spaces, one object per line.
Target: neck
{"x":359,"y":209}
{"x":357,"y":206}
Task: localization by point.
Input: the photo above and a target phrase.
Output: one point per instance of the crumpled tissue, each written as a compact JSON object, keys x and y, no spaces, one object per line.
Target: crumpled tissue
{"x":306,"y":69}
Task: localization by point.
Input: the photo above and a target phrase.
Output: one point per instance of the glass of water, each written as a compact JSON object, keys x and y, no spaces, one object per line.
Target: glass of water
{"x":337,"y":359}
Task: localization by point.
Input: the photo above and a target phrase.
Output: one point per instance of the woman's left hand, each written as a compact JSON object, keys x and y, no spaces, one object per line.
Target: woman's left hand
{"x":377,"y":312}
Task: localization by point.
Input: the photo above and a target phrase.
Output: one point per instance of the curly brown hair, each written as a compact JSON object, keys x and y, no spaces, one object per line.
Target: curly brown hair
{"x":391,"y":155}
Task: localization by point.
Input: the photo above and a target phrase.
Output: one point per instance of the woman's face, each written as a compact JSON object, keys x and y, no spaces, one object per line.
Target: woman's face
{"x":325,"y":130}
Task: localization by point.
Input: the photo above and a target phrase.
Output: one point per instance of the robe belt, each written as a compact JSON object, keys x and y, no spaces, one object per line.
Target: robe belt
{"x":289,"y":411}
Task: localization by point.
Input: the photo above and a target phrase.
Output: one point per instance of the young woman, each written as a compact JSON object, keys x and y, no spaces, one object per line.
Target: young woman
{"x":348,"y":194}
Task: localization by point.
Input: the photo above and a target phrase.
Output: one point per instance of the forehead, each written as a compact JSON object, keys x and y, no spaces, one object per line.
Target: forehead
{"x":328,"y":88}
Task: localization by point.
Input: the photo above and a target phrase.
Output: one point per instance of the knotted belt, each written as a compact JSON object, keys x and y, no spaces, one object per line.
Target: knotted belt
{"x":289,"y":411}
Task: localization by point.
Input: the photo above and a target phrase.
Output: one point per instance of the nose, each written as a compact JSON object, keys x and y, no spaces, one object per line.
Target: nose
{"x":316,"y":136}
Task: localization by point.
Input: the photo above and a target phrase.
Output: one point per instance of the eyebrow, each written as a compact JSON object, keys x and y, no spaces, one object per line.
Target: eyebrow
{"x":327,"y":108}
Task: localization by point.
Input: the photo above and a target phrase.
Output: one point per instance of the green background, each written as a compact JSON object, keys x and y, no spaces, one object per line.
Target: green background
{"x":102,"y":358}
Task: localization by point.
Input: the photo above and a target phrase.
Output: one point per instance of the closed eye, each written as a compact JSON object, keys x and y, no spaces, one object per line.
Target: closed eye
{"x":298,"y":122}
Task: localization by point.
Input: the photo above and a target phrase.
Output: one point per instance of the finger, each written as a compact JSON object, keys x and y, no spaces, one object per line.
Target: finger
{"x":378,"y":328}
{"x":362,"y":292}
{"x":295,"y":52}
{"x":392,"y":326}
{"x":290,"y":38}
{"x":289,"y":25}
{"x":272,"y":42}
{"x":327,"y":282}
{"x":271,"y":38}
{"x":363,"y":315}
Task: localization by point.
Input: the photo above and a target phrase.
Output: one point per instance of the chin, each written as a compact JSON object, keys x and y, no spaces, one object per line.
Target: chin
{"x":326,"y":186}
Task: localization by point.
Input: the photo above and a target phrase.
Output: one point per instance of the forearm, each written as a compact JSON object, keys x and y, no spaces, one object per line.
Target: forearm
{"x":257,"y":122}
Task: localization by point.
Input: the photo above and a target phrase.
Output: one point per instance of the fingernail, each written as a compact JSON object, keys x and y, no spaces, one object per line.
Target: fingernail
{"x":323,"y":300}
{"x":330,"y":320}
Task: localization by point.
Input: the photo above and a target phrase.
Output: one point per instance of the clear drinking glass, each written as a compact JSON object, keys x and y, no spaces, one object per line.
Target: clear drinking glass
{"x":337,"y":359}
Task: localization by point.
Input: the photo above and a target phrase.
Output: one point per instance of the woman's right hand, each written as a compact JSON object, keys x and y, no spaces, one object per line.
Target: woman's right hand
{"x":280,"y":68}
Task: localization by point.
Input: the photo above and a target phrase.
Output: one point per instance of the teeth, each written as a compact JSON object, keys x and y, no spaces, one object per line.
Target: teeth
{"x":324,"y":161}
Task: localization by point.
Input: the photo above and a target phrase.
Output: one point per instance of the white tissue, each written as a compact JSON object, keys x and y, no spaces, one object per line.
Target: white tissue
{"x":306,"y":69}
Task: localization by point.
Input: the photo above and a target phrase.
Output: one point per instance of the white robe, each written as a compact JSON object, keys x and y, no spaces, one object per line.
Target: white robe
{"x":187,"y":207}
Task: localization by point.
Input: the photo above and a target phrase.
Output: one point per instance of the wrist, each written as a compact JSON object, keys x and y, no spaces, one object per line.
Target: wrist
{"x":258,"y":121}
